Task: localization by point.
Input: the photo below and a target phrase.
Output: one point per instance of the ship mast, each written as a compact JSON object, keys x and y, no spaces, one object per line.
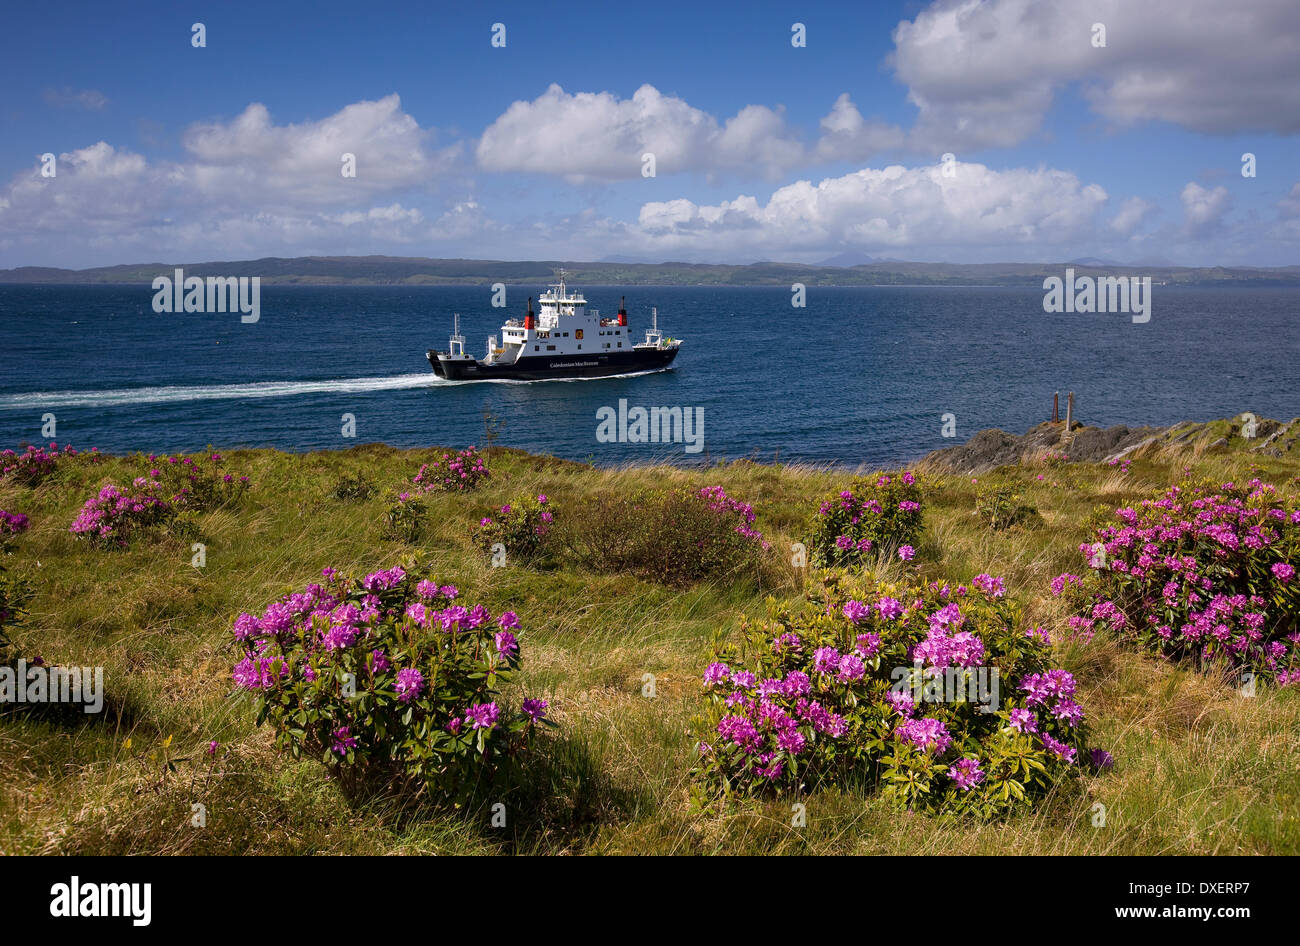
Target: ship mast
{"x":456,"y":345}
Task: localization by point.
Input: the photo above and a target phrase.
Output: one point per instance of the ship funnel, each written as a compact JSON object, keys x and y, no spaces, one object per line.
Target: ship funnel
{"x":622,"y":310}
{"x":528,"y":318}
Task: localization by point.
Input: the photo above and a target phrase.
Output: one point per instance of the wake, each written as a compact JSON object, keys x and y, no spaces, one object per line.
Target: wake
{"x":172,"y":394}
{"x":175,"y":394}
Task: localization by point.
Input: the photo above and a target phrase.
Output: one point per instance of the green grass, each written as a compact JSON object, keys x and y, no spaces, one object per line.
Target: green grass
{"x":1199,"y":768}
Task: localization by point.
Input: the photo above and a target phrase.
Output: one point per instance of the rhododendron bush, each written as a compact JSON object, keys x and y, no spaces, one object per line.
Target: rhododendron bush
{"x":406,"y":518}
{"x":935,"y":693}
{"x":33,"y":465}
{"x":11,"y":524}
{"x":172,"y":485}
{"x":115,"y":516}
{"x":390,"y":680}
{"x":522,"y":527}
{"x":876,"y":514}
{"x":1203,"y":572}
{"x":453,"y":472}
{"x":200,"y":485}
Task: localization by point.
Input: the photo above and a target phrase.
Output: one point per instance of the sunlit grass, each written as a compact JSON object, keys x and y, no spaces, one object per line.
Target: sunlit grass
{"x":1199,"y":768}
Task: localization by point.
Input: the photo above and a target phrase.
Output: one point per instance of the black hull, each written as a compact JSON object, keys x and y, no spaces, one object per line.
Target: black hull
{"x":543,"y":367}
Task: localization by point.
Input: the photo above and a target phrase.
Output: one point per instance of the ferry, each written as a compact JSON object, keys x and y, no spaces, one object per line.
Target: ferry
{"x":565,"y":339}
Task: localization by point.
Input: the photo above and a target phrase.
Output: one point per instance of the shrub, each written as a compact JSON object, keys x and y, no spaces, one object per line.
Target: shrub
{"x":115,"y":516}
{"x":32,"y":466}
{"x":1201,"y":572}
{"x":459,"y":472}
{"x":352,"y":488}
{"x":406,"y":518}
{"x":876,"y":514}
{"x":742,"y":512}
{"x":11,"y":524}
{"x":522,"y":526}
{"x":849,"y":688}
{"x":999,"y":507}
{"x":676,"y":536}
{"x":198,"y":485}
{"x":15,"y":594}
{"x":387,"y":680}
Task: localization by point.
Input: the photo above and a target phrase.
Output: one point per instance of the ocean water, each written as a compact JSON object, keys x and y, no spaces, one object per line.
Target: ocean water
{"x":858,"y":376}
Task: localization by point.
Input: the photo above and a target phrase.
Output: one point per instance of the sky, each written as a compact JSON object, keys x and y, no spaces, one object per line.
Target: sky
{"x":968,"y":131}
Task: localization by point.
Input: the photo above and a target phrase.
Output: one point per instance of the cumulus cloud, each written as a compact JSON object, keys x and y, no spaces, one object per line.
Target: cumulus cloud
{"x":247,"y":181}
{"x":1203,"y":209}
{"x":597,"y":134}
{"x":847,"y":136}
{"x":890,"y":208}
{"x":1130,"y":216}
{"x":983,"y":72}
{"x":301,"y":163}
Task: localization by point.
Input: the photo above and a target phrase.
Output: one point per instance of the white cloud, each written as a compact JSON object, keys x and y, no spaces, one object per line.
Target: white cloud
{"x":890,"y":208}
{"x":1130,"y":216}
{"x":300,"y":164}
{"x":984,"y":72}
{"x":1203,"y":209}
{"x":847,"y":136}
{"x":240,"y":184}
{"x":597,"y":134}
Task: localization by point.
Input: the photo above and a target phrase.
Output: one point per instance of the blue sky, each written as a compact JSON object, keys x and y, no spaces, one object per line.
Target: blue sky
{"x":1061,"y":148}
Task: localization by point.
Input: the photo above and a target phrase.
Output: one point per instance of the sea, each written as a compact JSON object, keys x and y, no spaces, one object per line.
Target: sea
{"x":855,"y":376}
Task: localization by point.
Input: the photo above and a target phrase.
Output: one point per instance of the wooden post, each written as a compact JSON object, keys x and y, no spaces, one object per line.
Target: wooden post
{"x":1056,"y":408}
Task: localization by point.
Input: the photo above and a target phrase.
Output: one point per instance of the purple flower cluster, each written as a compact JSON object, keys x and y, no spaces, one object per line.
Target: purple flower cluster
{"x":820,"y":686}
{"x":34,"y":464}
{"x":719,"y":501}
{"x":114,"y":515}
{"x":771,"y":720}
{"x":458,"y":472}
{"x":12,"y":523}
{"x":926,"y":734}
{"x":1052,"y":693}
{"x":1204,"y":572}
{"x":945,"y":644}
{"x":386,"y":635}
{"x":966,"y":773}
{"x":883,"y":512}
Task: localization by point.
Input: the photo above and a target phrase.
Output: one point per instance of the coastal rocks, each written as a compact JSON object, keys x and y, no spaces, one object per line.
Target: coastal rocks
{"x":990,"y":449}
{"x":1278,"y":439}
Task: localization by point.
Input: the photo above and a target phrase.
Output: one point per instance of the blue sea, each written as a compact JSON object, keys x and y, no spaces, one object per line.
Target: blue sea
{"x":858,"y":376}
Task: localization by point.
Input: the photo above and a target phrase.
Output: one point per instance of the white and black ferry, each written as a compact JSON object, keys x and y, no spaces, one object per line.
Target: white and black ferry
{"x":564,"y":340}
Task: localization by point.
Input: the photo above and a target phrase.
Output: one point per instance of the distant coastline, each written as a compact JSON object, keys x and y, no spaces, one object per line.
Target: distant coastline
{"x":418,"y":271}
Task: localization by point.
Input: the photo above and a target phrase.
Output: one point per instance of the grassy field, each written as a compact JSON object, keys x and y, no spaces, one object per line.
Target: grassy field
{"x":1199,"y":768}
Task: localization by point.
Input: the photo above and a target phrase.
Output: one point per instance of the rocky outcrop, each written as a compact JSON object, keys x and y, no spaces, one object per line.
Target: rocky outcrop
{"x":990,"y":449}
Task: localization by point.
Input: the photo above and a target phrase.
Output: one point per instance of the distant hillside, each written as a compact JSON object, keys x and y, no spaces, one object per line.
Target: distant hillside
{"x":414,"y":271}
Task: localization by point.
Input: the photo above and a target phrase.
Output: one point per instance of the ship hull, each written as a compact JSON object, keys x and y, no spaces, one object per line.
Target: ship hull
{"x":543,"y":367}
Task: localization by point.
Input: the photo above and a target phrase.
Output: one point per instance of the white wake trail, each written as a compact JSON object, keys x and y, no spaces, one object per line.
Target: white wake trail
{"x":180,"y":393}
